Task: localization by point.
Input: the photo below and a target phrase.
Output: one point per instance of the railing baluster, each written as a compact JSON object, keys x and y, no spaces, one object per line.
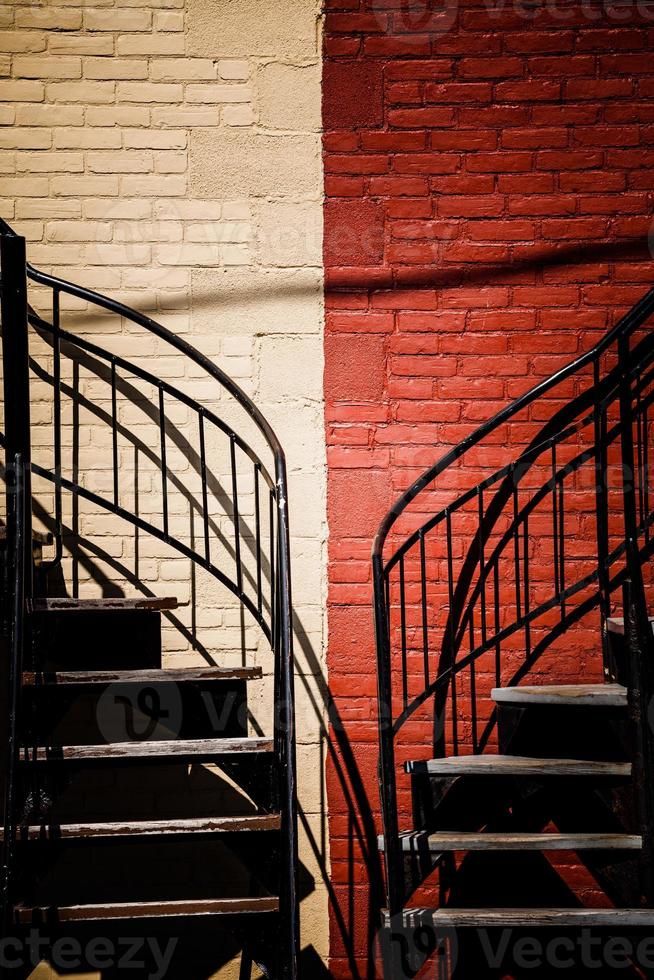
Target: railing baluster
{"x":482,"y":564}
{"x":235,"y":512}
{"x":114,"y":430}
{"x":205,"y":490}
{"x":272,"y":503}
{"x":257,"y":519}
{"x":562,"y":545}
{"x":640,"y":444}
{"x":555,"y":525}
{"x":526,"y":601}
{"x":516,"y":547}
{"x":164,"y":467}
{"x":455,"y":719}
{"x":473,"y":690}
{"x":646,"y":471}
{"x":405,"y":679}
{"x":56,"y":351}
{"x":498,"y":623}
{"x":425,"y":627}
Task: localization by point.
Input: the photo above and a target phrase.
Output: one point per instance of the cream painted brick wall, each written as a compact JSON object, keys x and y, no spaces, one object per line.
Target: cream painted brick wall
{"x":168,"y":153}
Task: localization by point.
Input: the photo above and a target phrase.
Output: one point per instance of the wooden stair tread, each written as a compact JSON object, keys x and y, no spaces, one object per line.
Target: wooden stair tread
{"x":416,"y":842}
{"x":511,"y":765}
{"x":145,"y":828}
{"x":154,"y":676}
{"x":149,"y":910}
{"x":604,"y":695}
{"x":615,"y":624}
{"x":525,"y":918}
{"x":119,"y":604}
{"x":177,"y":748}
{"x":38,"y":537}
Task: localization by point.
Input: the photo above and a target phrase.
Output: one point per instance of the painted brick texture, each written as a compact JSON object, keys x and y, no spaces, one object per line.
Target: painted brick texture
{"x":490,"y":174}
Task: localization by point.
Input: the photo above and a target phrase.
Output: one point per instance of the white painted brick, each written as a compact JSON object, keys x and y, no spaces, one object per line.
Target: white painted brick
{"x":218,"y":93}
{"x":115,"y":68}
{"x":42,"y":115}
{"x":84,"y":186}
{"x":53,"y":162}
{"x":154,"y":186}
{"x":94,"y":93}
{"x":155,"y":44}
{"x":80,"y":44}
{"x":148,"y":92}
{"x":11,"y":91}
{"x":117,"y":20}
{"x":155,"y":139}
{"x":26,"y":139}
{"x":78,"y":231}
{"x":179,"y":69}
{"x":190,"y":117}
{"x":49,"y":18}
{"x":234,"y":69}
{"x":86,"y":138}
{"x":30,"y":66}
{"x":168,"y":21}
{"x":238,"y":115}
{"x":22,"y":41}
{"x":117,"y":210}
{"x":120,"y":115}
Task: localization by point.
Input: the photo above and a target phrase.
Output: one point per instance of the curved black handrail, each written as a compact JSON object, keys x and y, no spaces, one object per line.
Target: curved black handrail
{"x":462,"y":600}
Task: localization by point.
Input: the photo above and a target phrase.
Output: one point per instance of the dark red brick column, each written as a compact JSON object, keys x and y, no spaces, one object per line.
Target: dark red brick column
{"x":489,"y":182}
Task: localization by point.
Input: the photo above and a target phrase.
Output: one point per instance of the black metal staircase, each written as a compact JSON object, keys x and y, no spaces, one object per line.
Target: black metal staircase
{"x":102,"y":827}
{"x":522,"y":556}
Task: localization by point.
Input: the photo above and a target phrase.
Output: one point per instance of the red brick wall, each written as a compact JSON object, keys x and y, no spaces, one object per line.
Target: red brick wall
{"x":489,"y":186}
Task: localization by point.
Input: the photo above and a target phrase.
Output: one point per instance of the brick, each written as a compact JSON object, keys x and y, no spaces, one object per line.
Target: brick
{"x":598,"y":88}
{"x":148,"y":92}
{"x":24,"y":186}
{"x":117,"y":20}
{"x":535,"y":90}
{"x":176,"y":69}
{"x":84,"y":186}
{"x":534,"y":139}
{"x":118,"y":115}
{"x":154,"y":186}
{"x":120,"y":163}
{"x":154,"y":139}
{"x":52,"y":162}
{"x":216,"y":94}
{"x":501,"y":162}
{"x":425,"y":163}
{"x":115,"y":68}
{"x":82,"y":91}
{"x":41,"y":115}
{"x":11,"y":91}
{"x":234,"y":69}
{"x":78,"y":231}
{"x":25,"y":139}
{"x":416,"y":118}
{"x":49,"y":18}
{"x":491,"y":67}
{"x":458,"y":93}
{"x":168,"y":20}
{"x":80,"y":44}
{"x":87,"y":138}
{"x":238,"y":115}
{"x":154,"y":44}
{"x":14,"y":41}
{"x":28,"y":66}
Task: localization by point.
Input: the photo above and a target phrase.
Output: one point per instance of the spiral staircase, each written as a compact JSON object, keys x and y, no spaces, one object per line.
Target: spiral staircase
{"x":136,"y":796}
{"x":515,"y":663}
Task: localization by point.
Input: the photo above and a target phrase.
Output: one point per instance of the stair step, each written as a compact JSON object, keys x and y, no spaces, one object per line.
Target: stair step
{"x":447,"y":918}
{"x":180,"y":676}
{"x":178,"y":748}
{"x":604,"y":695}
{"x":154,"y":603}
{"x":416,"y":842}
{"x":25,"y":914}
{"x":513,"y":765}
{"x":616,"y":624}
{"x":147,"y":828}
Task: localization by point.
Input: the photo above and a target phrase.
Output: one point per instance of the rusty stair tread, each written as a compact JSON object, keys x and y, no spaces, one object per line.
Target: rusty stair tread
{"x":118,"y":604}
{"x":417,"y":842}
{"x":25,"y":913}
{"x":604,"y":695}
{"x":525,"y":917}
{"x":146,"y":828}
{"x":175,"y":748}
{"x":154,"y":676}
{"x":512,"y":765}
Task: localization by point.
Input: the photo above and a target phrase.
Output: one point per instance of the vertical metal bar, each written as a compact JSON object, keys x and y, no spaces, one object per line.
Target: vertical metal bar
{"x":17,"y":550}
{"x":164,"y":467}
{"x":205,"y":494}
{"x":498,"y":624}
{"x":235,"y":511}
{"x":562,"y":544}
{"x":516,"y":547}
{"x":646,"y":472}
{"x":639,"y":444}
{"x":482,"y":564}
{"x":602,"y":513}
{"x":405,"y":679}
{"x":114,"y":429}
{"x":555,"y":525}
{"x":473,"y":690}
{"x":15,"y":356}
{"x":257,"y":519}
{"x":455,"y":718}
{"x":526,"y":603}
{"x":272,"y":503}
{"x":56,"y":371}
{"x":423,"y":596}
